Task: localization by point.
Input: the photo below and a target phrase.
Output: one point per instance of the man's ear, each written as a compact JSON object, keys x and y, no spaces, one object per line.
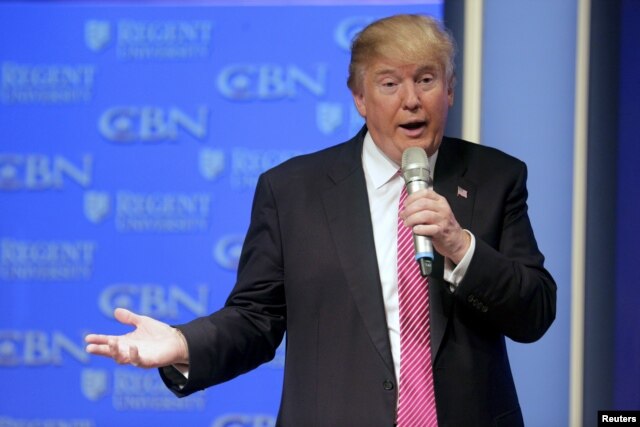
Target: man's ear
{"x":358,"y":99}
{"x":450,"y":91}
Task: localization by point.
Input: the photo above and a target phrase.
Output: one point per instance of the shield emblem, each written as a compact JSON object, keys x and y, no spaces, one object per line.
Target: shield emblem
{"x":97,"y":34}
{"x":328,"y":116}
{"x":96,"y":205}
{"x":211,"y":163}
{"x":93,"y":383}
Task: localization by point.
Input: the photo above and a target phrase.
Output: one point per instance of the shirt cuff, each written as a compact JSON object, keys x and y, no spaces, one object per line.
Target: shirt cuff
{"x":177,"y":374}
{"x":453,"y":274}
{"x":183,"y":368}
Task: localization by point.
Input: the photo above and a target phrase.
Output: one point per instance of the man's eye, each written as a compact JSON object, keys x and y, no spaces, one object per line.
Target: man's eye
{"x":388,"y":84}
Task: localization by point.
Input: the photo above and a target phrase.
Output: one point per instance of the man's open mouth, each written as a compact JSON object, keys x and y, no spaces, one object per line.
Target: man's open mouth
{"x":413,"y":125}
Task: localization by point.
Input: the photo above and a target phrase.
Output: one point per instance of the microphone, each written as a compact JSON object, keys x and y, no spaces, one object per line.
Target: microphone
{"x":417,"y":176}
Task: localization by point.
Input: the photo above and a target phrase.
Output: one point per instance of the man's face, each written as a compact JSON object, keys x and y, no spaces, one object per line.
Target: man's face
{"x":404,"y":105}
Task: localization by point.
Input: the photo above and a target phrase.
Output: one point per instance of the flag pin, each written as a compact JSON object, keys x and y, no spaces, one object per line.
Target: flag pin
{"x":462,"y":192}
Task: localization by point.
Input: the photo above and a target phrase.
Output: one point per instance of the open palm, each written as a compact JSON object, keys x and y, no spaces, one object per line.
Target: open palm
{"x":151,"y":345}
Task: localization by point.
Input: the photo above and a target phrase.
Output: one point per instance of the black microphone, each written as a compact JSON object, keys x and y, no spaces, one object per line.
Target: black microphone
{"x":417,"y":176}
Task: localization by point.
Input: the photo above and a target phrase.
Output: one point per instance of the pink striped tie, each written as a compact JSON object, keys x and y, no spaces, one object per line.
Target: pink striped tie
{"x":416,"y":398}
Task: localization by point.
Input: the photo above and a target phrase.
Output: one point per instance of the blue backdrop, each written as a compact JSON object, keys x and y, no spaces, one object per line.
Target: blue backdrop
{"x":131,"y":141}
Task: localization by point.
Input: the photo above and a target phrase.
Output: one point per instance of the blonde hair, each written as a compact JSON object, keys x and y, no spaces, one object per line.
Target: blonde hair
{"x":405,"y":38}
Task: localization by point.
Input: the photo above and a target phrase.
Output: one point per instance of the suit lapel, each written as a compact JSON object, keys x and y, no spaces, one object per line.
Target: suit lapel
{"x":347,"y":207}
{"x":449,"y":181}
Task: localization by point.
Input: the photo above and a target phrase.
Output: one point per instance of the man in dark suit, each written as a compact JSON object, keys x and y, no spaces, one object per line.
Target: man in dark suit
{"x":319,"y":262}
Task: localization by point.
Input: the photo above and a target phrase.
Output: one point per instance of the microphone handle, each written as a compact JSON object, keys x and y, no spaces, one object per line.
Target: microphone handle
{"x":422,"y":244}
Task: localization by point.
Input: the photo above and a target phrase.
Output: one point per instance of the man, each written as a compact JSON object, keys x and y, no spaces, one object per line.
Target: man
{"x":320,"y":262}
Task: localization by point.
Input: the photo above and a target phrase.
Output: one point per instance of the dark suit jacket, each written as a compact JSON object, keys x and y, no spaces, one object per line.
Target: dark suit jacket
{"x":308,"y":267}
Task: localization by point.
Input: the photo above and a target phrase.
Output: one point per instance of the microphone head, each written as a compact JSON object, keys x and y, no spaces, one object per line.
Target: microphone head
{"x":415,"y":165}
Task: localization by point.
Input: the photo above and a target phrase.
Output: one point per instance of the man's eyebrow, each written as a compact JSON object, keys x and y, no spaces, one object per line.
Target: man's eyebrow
{"x":428,"y":68}
{"x":384,"y":71}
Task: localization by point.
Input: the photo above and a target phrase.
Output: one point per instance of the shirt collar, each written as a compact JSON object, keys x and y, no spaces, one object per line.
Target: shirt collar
{"x":380,"y":168}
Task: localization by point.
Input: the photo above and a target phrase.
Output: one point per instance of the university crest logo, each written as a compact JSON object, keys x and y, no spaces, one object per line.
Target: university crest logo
{"x":97,"y":34}
{"x":97,"y":205}
{"x":93,"y":383}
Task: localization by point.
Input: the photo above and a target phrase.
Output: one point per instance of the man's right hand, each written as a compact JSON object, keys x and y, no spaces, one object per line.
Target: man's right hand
{"x":152,"y":344}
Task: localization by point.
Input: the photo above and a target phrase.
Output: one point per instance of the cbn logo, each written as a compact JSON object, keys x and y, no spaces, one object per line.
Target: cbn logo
{"x":227,"y":251}
{"x":39,"y":348}
{"x":42,"y":172}
{"x":246,"y":82}
{"x":151,"y":124}
{"x":347,"y":29}
{"x":97,"y":34}
{"x":245,"y":420}
{"x":154,"y":300}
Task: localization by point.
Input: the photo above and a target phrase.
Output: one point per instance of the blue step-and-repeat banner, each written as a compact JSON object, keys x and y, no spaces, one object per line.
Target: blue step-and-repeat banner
{"x":131,"y":139}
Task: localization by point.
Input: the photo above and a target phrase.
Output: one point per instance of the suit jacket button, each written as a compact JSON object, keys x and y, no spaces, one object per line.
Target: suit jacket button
{"x":471,"y":298}
{"x":388,"y":385}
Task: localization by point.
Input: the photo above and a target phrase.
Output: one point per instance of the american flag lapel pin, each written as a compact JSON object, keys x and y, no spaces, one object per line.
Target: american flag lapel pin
{"x":462,"y":192}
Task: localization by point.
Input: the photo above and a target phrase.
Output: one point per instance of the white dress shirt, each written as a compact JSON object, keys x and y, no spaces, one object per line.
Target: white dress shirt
{"x":384,"y":186}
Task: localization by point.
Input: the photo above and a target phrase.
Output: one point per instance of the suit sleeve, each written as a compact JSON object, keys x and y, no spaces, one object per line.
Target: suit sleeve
{"x":247,"y":331}
{"x":508,"y":285}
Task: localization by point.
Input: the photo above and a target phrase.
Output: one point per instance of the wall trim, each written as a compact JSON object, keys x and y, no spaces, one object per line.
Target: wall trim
{"x":581,"y":121}
{"x":472,"y":76}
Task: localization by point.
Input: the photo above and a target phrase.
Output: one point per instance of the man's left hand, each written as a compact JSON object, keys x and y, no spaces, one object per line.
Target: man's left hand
{"x":429,"y":214}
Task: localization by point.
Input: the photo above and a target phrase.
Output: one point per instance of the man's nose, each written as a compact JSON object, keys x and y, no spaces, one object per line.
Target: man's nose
{"x":411,"y":98}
